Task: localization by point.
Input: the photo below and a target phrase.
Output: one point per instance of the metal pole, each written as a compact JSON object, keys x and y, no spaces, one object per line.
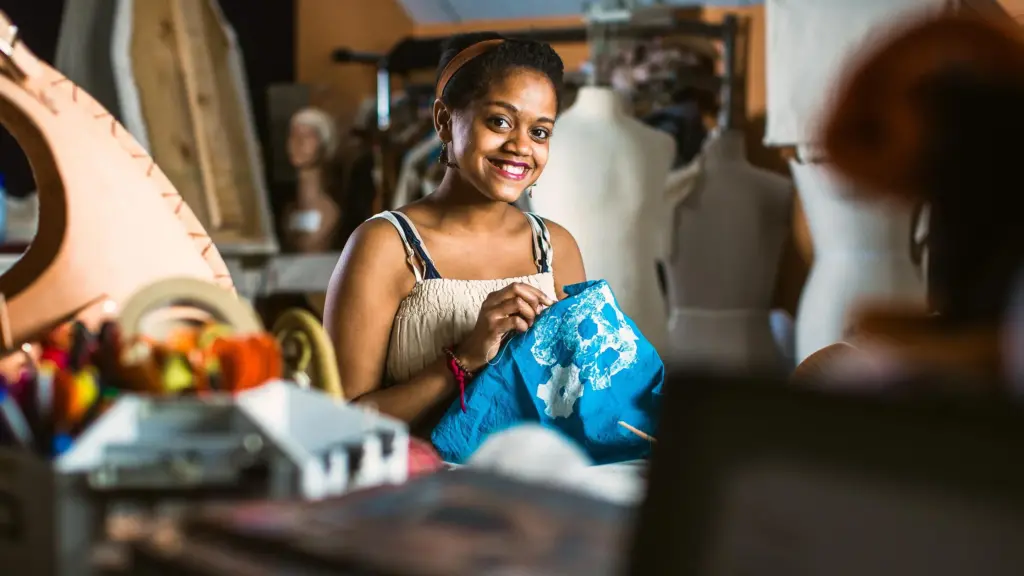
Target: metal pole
{"x":730,"y":29}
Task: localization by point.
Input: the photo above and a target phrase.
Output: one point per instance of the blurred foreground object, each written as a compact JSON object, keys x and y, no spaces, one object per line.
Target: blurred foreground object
{"x":110,"y":221}
{"x":757,"y":476}
{"x":933,"y":116}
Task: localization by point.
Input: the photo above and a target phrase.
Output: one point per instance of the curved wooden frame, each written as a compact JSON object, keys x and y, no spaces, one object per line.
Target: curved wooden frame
{"x":110,"y":222}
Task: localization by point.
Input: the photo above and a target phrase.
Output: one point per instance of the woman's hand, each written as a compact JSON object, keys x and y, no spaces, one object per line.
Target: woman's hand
{"x":513,"y":308}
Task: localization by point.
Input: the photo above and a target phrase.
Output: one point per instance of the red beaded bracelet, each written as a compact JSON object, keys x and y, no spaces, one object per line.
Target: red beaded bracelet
{"x":461,"y":374}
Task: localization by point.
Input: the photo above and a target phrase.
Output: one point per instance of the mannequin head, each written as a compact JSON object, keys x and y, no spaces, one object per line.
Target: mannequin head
{"x":497,"y":113}
{"x":312,"y":138}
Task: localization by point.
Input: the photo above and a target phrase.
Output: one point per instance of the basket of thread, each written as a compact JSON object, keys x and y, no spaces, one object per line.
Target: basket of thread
{"x":179,"y":397}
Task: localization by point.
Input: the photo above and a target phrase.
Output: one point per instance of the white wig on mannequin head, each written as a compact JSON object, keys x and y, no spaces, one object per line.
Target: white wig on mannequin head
{"x":323,"y":123}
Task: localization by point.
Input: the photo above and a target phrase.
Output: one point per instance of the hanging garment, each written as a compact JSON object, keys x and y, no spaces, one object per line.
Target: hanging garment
{"x":809,"y":46}
{"x":581,"y":369}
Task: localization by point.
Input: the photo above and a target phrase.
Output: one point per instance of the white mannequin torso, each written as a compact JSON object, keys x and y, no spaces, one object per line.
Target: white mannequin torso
{"x":604,"y":184}
{"x":861,"y":252}
{"x":729,"y":223}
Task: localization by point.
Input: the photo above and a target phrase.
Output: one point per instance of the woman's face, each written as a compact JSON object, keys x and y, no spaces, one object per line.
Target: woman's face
{"x":500,"y":141}
{"x":303,"y":145}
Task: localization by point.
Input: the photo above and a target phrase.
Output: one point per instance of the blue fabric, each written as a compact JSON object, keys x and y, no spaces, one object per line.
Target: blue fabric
{"x":580,"y":369}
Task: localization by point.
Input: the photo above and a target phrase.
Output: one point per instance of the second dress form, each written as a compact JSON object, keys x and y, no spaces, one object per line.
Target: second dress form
{"x":604,"y":184}
{"x":729,"y":222}
{"x":862,"y":253}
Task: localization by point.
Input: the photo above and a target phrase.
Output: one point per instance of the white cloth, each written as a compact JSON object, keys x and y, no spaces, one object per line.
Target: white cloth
{"x":532,"y":453}
{"x":809,"y":45}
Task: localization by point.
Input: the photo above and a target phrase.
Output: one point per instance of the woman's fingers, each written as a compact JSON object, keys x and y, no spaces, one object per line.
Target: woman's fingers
{"x":533,"y":296}
{"x":512,"y":307}
{"x":524,"y":309}
{"x":509,"y":324}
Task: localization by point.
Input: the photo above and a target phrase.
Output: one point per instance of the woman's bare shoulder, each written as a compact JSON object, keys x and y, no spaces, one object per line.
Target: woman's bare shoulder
{"x":561,"y":237}
{"x":375,"y":253}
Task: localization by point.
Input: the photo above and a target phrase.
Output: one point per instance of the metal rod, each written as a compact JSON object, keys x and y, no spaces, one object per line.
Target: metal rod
{"x":420,"y":53}
{"x":429,"y":46}
{"x":730,"y":29}
{"x":342,"y":55}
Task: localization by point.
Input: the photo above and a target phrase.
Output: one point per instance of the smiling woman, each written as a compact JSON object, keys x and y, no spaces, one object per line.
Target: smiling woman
{"x":410,"y":325}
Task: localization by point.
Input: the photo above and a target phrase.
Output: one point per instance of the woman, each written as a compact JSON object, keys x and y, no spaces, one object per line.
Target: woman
{"x":424,"y":296}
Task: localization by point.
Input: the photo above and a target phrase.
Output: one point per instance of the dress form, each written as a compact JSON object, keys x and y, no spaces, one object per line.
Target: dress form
{"x":729,"y":221}
{"x":862,"y":252}
{"x":604,"y":183}
{"x":311,"y":222}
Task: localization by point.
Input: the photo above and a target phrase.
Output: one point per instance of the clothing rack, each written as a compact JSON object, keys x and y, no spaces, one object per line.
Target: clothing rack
{"x":413,"y":54}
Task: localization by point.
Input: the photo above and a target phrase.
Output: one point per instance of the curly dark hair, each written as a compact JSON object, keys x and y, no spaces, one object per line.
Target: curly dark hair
{"x":472,"y":80}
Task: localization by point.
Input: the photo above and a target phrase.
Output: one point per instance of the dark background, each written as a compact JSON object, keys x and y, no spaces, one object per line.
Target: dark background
{"x":266,"y":35}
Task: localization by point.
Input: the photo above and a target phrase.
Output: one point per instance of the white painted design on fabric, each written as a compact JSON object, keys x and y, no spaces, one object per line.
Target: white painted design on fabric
{"x":584,"y":334}
{"x":561,"y":392}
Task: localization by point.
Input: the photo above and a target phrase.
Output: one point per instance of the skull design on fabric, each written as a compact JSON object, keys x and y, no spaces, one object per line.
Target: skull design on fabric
{"x":586,"y":346}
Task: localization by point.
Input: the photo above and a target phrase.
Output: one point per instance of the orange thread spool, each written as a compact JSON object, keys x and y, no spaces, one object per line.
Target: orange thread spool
{"x":223,"y":348}
{"x":248,"y":353}
{"x":272,"y":351}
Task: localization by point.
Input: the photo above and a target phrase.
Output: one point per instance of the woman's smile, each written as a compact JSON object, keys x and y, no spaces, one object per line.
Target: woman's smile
{"x":510,"y":169}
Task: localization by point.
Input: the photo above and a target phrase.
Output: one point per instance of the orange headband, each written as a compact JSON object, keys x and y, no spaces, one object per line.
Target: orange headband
{"x":460,"y":60}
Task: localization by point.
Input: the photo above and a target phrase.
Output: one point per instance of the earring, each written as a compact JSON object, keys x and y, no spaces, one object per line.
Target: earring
{"x":529,"y":190}
{"x":442,"y":158}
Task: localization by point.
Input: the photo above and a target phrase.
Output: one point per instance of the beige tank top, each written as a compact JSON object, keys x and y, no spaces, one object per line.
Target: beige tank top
{"x":439,"y":312}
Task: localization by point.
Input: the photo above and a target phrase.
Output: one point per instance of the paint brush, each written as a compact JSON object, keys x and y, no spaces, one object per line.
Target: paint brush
{"x":643,"y":435}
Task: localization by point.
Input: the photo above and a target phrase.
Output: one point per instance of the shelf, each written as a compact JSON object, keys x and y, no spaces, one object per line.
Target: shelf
{"x":283,"y":274}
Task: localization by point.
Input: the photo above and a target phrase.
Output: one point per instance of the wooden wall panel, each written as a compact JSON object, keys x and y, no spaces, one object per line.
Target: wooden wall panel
{"x":322,"y":26}
{"x":1015,"y":8}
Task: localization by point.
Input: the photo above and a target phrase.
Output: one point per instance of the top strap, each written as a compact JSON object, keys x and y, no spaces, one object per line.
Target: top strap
{"x":415,"y":254}
{"x":543,"y":253}
{"x":429,"y":270}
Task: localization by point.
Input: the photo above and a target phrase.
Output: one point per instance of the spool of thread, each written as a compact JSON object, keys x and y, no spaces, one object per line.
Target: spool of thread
{"x":138,"y":368}
{"x":59,"y":357}
{"x":80,"y":348}
{"x":210,"y":333}
{"x":63,"y":395}
{"x":85,"y":392}
{"x":62,"y":442}
{"x":59,"y":337}
{"x":13,"y":420}
{"x":177,"y":373}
